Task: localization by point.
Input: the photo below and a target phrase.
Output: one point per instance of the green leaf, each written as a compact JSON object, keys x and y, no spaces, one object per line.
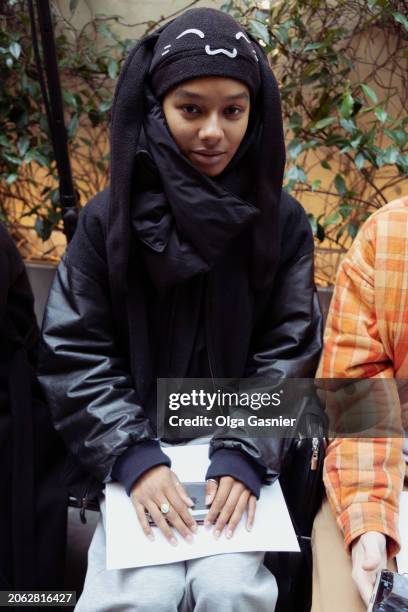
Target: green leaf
{"x":11,"y":178}
{"x":43,"y":228}
{"x":105,"y":106}
{"x":390,"y":155}
{"x":325,"y":164}
{"x":381,"y":115}
{"x":9,"y":62}
{"x":347,"y":105}
{"x":360,"y":161}
{"x":340,"y":184}
{"x":345,"y":210}
{"x":22,"y":145}
{"x":294,"y":148}
{"x":398,"y":136}
{"x":320,"y":125}
{"x":69,"y":98}
{"x":348,"y":125}
{"x":316,"y":184}
{"x":73,"y":6}
{"x":401,"y":19}
{"x":369,"y":93}
{"x":11,"y":158}
{"x":40,"y":159}
{"x":295,"y":121}
{"x":73,"y":125}
{"x":259,"y":30}
{"x":113,"y":69}
{"x":105,"y":31}
{"x":296,"y":174}
{"x":332,"y":219}
{"x":312,"y":47}
{"x":355,"y":143}
{"x":15,"y":49}
{"x":320,"y":233}
{"x":402,"y":163}
{"x":4,"y":142}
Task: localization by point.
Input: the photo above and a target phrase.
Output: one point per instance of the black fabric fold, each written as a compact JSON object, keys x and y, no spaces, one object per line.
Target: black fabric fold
{"x":184,"y":219}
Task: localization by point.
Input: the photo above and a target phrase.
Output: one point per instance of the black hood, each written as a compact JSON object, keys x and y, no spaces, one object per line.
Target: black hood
{"x":265,"y":173}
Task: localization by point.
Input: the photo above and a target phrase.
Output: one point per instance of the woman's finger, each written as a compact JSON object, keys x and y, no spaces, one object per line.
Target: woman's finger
{"x":143,"y":520}
{"x":211,"y":487}
{"x":161,"y":523}
{"x":224,"y":488}
{"x":179,"y":508}
{"x":228,"y":508}
{"x":240,"y":508}
{"x":181,"y":490}
{"x":251,"y":509}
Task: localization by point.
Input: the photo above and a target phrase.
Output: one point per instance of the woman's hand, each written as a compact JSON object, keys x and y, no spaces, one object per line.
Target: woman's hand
{"x":229,"y":499}
{"x":156,"y":487}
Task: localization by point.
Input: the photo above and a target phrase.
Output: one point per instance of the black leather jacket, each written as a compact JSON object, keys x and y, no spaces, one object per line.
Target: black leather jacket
{"x":95,"y":398}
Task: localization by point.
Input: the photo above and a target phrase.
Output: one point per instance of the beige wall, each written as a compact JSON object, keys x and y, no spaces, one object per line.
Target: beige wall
{"x":132,"y":11}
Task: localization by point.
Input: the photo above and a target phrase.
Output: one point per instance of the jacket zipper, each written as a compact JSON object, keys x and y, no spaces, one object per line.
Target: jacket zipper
{"x":315,"y":454}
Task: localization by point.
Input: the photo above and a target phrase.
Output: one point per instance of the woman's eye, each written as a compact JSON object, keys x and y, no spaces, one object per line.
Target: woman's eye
{"x":233,"y":110}
{"x":190,"y":109}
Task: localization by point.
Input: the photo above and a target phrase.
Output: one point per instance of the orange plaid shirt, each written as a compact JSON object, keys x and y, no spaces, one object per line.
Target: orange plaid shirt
{"x":366,"y":336}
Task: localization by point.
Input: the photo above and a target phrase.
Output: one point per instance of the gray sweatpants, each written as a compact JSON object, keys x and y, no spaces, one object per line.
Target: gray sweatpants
{"x":236,"y":582}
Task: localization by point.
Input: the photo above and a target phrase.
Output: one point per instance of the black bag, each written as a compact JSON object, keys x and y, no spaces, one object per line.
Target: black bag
{"x":301,"y":480}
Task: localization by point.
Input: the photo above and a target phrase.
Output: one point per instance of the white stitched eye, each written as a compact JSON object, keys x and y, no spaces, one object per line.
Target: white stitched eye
{"x":191,"y":31}
{"x":239,"y":35}
{"x":167,"y":47}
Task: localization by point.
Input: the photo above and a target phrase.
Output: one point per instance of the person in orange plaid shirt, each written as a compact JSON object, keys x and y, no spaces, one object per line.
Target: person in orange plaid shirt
{"x":366,"y":336}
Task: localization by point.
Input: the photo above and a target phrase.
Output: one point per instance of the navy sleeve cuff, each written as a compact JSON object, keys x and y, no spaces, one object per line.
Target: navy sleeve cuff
{"x":136,"y":460}
{"x":231,"y":462}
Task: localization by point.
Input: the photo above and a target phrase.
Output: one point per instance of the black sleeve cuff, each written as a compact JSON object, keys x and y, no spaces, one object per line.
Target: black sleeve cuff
{"x":231,"y":462}
{"x":136,"y":460}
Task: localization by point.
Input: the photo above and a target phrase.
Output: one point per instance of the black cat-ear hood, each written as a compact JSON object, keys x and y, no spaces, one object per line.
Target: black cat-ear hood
{"x":127,"y":120}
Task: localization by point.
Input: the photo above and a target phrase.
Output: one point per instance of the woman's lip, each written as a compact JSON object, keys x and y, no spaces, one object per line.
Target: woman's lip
{"x":209,"y":159}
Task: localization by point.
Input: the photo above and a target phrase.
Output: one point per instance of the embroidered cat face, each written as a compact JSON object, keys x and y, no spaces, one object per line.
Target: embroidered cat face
{"x":210,"y":49}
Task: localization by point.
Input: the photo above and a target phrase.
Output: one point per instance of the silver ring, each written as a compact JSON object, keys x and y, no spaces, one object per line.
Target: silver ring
{"x":164,"y":508}
{"x":212,"y":480}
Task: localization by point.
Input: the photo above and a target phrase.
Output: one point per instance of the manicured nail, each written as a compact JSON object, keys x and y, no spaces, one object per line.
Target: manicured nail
{"x":173,"y":542}
{"x":150,"y":536}
{"x":190,"y":501}
{"x":189,"y":538}
{"x":194,"y":528}
{"x":217,"y":534}
{"x":249,"y":526}
{"x":229,"y":534}
{"x":207,"y":500}
{"x":207,"y":523}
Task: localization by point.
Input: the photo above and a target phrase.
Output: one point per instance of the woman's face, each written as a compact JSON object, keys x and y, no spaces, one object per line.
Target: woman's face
{"x":208,"y":118}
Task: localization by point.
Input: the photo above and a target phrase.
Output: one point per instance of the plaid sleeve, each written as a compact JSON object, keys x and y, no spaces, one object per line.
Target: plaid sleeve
{"x":363,"y":476}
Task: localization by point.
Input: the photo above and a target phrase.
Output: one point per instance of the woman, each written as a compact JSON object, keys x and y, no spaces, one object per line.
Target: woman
{"x":193,"y":264}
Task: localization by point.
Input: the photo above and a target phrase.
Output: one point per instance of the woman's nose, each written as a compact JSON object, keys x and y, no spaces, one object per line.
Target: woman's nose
{"x":211,"y":129}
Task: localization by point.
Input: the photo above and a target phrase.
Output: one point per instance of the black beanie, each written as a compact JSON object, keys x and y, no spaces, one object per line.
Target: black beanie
{"x":203,"y":42}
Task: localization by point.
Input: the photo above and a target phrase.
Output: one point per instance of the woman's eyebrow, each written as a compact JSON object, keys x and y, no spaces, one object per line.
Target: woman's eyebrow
{"x":184,"y":93}
{"x":238,"y":96}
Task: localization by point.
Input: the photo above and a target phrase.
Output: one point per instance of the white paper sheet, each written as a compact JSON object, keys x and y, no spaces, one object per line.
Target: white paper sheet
{"x":127,"y":546}
{"x":402,"y":557}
